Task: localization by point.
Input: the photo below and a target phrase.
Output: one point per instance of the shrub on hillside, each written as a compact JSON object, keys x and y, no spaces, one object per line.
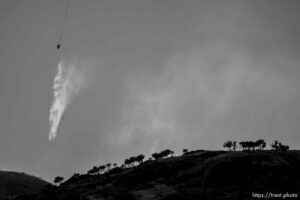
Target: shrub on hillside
{"x":58,"y":180}
{"x":230,"y":145}
{"x":277,"y":146}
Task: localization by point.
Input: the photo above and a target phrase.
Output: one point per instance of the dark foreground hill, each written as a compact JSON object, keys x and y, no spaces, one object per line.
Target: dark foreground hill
{"x":198,"y":175}
{"x":13,"y":184}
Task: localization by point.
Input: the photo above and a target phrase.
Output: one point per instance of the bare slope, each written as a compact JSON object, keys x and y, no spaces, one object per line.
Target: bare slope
{"x":13,"y":184}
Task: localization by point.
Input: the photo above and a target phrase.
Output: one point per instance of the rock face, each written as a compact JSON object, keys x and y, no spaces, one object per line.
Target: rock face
{"x":13,"y":184}
{"x":193,"y":176}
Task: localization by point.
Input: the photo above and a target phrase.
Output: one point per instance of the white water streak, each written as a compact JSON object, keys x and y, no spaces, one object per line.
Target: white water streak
{"x":66,"y":85}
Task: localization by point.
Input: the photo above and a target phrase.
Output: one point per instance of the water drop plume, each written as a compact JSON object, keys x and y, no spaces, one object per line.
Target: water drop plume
{"x":66,"y":85}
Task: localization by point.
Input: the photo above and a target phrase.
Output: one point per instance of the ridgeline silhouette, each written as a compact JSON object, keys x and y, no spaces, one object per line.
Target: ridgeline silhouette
{"x":246,"y":169}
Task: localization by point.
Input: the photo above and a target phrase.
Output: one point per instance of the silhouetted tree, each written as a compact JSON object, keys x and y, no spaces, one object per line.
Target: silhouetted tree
{"x":156,"y":156}
{"x":228,"y":144}
{"x":58,"y":180}
{"x":76,"y":175}
{"x":277,"y":146}
{"x":108,"y":166}
{"x":234,"y":145}
{"x":166,"y":153}
{"x":127,"y":162}
{"x":140,"y":158}
{"x":132,"y":160}
{"x":102,"y":168}
{"x":94,"y":170}
{"x":184,"y":151}
{"x":115,"y":164}
{"x":162,"y":154}
{"x":248,"y":145}
{"x":245,"y":145}
{"x":260,"y":144}
{"x":252,"y":145}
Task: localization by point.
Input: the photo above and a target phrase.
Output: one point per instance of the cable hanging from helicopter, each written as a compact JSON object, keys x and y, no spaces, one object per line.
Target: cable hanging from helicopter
{"x":63,"y":25}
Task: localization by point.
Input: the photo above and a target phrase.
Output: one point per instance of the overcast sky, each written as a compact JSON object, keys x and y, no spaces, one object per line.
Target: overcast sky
{"x":162,"y":74}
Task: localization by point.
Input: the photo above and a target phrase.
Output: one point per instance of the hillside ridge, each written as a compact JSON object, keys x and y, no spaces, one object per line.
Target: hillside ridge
{"x":194,"y":175}
{"x":13,"y":184}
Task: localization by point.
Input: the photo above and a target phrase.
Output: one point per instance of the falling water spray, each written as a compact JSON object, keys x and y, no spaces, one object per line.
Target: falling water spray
{"x":66,"y":85}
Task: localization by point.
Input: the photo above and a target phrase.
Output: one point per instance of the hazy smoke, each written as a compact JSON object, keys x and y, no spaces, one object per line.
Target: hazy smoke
{"x":66,"y":85}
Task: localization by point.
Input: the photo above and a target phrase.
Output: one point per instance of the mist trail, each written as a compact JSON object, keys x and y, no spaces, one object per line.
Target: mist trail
{"x":67,"y":83}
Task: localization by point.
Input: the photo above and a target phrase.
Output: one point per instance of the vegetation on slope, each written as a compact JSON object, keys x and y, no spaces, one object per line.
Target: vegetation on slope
{"x":194,"y":175}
